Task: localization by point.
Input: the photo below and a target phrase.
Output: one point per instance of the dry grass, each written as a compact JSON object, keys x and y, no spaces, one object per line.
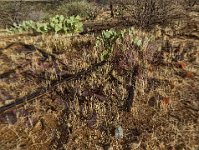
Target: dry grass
{"x":84,"y":113}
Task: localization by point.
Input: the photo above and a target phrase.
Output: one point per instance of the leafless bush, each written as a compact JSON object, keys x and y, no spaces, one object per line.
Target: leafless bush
{"x":11,"y":12}
{"x":190,"y":3}
{"x":147,"y":14}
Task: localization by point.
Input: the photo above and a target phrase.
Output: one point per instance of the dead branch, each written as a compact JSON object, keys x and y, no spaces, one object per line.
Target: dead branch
{"x":44,"y":90}
{"x":32,"y":48}
{"x":131,"y":89}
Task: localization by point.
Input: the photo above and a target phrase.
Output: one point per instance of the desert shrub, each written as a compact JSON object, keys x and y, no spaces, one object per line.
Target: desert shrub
{"x":190,"y":3}
{"x":101,"y":2}
{"x":16,"y":12}
{"x":149,"y":13}
{"x":82,"y":8}
{"x":11,"y":12}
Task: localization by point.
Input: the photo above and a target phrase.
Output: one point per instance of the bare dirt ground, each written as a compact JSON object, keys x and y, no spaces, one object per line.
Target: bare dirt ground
{"x":84,"y":113}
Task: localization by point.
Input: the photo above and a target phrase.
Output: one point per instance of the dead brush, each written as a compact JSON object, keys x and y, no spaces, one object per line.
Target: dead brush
{"x":190,"y":3}
{"x":149,"y":13}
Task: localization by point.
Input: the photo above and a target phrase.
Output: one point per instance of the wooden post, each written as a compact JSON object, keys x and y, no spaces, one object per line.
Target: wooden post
{"x":111,"y":8}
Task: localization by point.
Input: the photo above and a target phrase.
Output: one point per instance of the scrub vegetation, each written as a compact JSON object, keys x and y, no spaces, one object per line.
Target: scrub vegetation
{"x":99,"y":75}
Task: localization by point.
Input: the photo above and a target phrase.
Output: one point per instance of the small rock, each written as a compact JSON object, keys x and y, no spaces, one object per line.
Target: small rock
{"x":135,"y":146}
{"x":99,"y":147}
{"x":119,"y":132}
{"x":38,"y":126}
{"x":110,"y":148}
